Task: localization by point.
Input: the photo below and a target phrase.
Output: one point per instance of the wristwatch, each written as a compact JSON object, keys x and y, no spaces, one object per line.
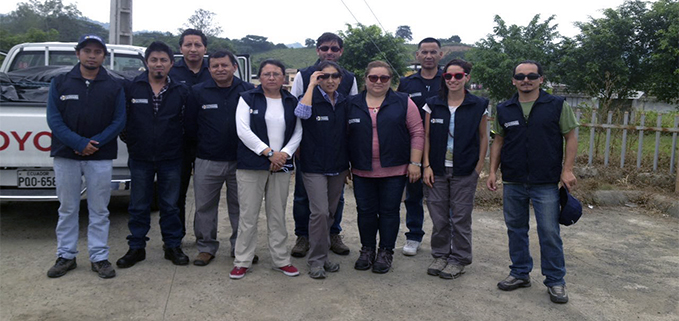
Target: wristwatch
{"x":416,"y":164}
{"x":270,"y":153}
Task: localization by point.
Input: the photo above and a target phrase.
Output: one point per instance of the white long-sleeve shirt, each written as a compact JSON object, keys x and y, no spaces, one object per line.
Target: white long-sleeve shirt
{"x":275,"y":128}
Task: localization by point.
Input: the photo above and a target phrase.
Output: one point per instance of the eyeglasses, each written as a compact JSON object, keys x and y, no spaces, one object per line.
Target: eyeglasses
{"x":531,"y":76}
{"x":326,"y":48}
{"x":458,"y":75}
{"x":336,"y":75}
{"x":271,"y":74}
{"x":383,"y":79}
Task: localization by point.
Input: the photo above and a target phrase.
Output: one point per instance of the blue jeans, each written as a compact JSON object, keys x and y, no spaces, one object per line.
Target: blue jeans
{"x":414,"y":211}
{"x":141,"y":195}
{"x":545,"y":199}
{"x":378,"y":201}
{"x":68,"y":174}
{"x":301,"y":211}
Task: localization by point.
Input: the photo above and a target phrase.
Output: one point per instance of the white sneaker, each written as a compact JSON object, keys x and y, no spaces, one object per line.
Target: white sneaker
{"x":411,"y":247}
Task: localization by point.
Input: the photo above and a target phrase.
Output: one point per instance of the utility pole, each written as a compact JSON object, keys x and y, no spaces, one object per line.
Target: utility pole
{"x":120,"y":27}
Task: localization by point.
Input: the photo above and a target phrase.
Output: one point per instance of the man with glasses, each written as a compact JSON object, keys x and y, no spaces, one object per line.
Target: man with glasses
{"x":420,"y":86}
{"x":329,"y":46}
{"x":530,"y":130}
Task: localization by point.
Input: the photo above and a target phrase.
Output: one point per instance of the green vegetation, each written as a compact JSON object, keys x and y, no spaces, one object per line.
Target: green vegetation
{"x":297,"y":58}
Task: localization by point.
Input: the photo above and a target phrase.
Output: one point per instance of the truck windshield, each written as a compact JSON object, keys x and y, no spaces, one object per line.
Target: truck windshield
{"x":28,"y":59}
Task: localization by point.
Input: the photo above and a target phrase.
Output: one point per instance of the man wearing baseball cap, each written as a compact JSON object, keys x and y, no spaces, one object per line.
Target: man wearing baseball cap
{"x":86,"y":112}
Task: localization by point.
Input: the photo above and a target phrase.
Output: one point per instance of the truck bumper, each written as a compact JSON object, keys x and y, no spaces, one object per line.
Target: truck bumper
{"x":119,"y":186}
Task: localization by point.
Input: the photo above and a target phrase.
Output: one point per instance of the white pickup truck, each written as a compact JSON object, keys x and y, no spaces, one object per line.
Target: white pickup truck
{"x":26,"y":172}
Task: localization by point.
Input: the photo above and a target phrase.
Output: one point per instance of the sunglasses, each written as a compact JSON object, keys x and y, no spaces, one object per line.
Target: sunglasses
{"x":458,"y":76}
{"x":531,"y":76}
{"x":336,"y":75}
{"x":383,"y":78}
{"x":326,"y":48}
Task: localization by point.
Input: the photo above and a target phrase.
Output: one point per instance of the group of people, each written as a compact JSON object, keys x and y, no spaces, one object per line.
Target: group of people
{"x":428,"y":138}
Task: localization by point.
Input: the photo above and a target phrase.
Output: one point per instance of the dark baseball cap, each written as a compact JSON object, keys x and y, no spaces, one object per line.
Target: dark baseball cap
{"x":86,"y":38}
{"x":571,"y":209}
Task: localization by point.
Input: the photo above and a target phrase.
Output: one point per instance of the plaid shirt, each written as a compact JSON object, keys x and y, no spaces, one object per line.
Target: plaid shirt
{"x":158,"y":99}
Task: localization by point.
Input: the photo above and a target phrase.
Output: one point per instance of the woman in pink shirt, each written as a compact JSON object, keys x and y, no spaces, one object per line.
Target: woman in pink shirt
{"x":385,"y":139}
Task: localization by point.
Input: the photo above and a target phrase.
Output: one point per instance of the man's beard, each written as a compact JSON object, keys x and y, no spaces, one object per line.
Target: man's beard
{"x":158,"y":75}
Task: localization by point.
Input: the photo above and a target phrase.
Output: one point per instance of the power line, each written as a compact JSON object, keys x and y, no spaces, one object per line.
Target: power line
{"x":369,"y":37}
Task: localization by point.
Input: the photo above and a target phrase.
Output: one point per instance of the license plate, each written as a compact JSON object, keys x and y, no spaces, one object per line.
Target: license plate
{"x":36,"y":179}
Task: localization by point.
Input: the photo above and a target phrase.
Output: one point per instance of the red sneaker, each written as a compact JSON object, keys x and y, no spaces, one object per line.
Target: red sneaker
{"x":238,"y":272}
{"x":288,"y":270}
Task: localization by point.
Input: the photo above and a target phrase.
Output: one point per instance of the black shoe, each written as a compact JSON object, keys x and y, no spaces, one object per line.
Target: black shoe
{"x":61,"y":267}
{"x":558,"y":293}
{"x":255,"y":259}
{"x":365,"y":259}
{"x":512,"y":283}
{"x":131,"y":258}
{"x":176,"y":255}
{"x":104,"y":269}
{"x":383,"y":261}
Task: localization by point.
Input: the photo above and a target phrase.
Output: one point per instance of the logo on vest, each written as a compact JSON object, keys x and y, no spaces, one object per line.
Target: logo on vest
{"x":322,"y":118}
{"x":140,"y":101}
{"x":69,"y":97}
{"x":210,"y":106}
{"x":511,"y":123}
{"x":437,"y":120}
{"x":354,"y":121}
{"x":415,"y":95}
{"x":254,"y":111}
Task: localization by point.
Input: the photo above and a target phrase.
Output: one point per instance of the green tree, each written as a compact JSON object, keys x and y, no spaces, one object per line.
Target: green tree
{"x":661,"y":65}
{"x":363,"y":44}
{"x":605,"y":59}
{"x":404,"y":33}
{"x":309,"y":43}
{"x":455,"y":39}
{"x":203,"y":20}
{"x":495,"y":57}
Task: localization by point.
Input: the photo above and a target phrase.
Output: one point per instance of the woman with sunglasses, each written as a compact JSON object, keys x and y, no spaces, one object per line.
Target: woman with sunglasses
{"x":386,"y":139}
{"x":323,"y":159}
{"x":269,"y":134}
{"x":456,"y":141}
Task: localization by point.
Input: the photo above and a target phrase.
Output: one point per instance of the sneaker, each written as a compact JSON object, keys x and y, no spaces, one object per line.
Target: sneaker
{"x":411,"y":247}
{"x":383,"y":261}
{"x":558,"y":293}
{"x":238,"y":272}
{"x":317,"y":272}
{"x":288,"y":270}
{"x":511,"y":283}
{"x":365,"y":259}
{"x":61,"y":267}
{"x":451,"y":271}
{"x":301,"y":247}
{"x":337,"y":246}
{"x":331,"y":267}
{"x":437,"y":266}
{"x":104,"y":269}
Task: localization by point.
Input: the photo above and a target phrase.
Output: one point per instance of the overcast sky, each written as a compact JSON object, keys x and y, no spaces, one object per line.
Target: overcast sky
{"x":295,"y":20}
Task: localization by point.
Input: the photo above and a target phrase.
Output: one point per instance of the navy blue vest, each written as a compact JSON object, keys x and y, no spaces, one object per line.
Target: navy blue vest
{"x":160,"y":136}
{"x":466,"y":135}
{"x":414,"y":86}
{"x":86,"y":110}
{"x":392,"y":131}
{"x":180,"y":72}
{"x":532,"y":151}
{"x":344,"y":87}
{"x":213,"y":114}
{"x":324,"y":143}
{"x":247,"y":159}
